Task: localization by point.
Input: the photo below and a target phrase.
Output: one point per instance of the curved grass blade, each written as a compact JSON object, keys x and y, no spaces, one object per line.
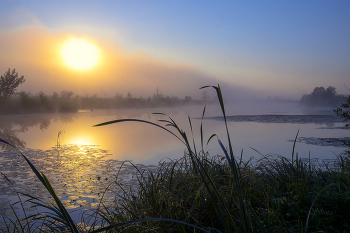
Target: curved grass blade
{"x":16,"y":215}
{"x":47,"y":185}
{"x":63,"y":210}
{"x":211,"y":138}
{"x":201,"y":129}
{"x":227,"y":156}
{"x":257,"y":220}
{"x":195,"y":161}
{"x":243,"y":210}
{"x":137,"y":120}
{"x":308,"y":216}
{"x":19,"y":198}
{"x":201,"y":170}
{"x":194,"y":144}
{"x":27,"y":160}
{"x":166,"y":121}
{"x":204,"y":174}
{"x":295,"y":140}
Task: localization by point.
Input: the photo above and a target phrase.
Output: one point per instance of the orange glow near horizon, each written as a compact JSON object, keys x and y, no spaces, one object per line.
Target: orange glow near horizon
{"x":82,"y":141}
{"x":79,"y":54}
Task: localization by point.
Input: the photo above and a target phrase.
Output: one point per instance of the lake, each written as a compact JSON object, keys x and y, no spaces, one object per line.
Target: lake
{"x":82,"y":160}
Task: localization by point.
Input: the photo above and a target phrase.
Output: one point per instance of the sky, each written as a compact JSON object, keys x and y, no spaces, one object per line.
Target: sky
{"x":252,"y":49}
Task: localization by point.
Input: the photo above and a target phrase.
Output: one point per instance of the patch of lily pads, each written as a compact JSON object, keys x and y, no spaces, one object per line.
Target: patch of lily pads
{"x":80,"y":174}
{"x":336,"y":142}
{"x":294,"y":119}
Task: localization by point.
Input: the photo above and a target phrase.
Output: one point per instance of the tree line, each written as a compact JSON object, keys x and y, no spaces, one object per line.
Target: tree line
{"x":12,"y":102}
{"x":328,"y":97}
{"x":323,"y":97}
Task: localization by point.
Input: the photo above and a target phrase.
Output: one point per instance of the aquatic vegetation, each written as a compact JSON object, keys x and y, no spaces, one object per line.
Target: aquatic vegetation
{"x":206,"y":193}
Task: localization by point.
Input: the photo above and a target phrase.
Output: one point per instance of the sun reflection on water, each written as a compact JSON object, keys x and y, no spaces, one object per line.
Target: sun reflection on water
{"x":79,"y":174}
{"x":82,"y":141}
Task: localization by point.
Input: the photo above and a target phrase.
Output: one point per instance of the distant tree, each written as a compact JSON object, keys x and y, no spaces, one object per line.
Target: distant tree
{"x":321,"y":97}
{"x":188,"y":98}
{"x":55,"y":95}
{"x":319,"y":91}
{"x":26,"y":100}
{"x":118,"y":96}
{"x":344,"y":111}
{"x":44,"y":99}
{"x":66,"y":94}
{"x":9,"y":82}
{"x":158,"y":94}
{"x":331,"y":92}
{"x":129,"y":96}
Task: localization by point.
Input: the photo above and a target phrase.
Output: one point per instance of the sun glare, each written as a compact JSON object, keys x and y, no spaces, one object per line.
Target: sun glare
{"x":82,"y":141}
{"x":79,"y":54}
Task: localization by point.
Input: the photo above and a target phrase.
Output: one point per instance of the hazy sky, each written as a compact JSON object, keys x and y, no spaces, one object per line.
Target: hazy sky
{"x":276,"y":48}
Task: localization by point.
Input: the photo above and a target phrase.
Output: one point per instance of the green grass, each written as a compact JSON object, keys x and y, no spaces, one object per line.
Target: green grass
{"x":204,"y":193}
{"x":285,"y":196}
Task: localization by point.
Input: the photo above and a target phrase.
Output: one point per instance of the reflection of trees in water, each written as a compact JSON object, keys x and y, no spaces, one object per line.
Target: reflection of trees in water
{"x":11,"y":126}
{"x":10,"y":136}
{"x":65,"y":118}
{"x":23,"y":123}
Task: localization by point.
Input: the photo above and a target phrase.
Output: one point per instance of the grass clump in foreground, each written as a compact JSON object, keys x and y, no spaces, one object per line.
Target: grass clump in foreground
{"x":201,"y":193}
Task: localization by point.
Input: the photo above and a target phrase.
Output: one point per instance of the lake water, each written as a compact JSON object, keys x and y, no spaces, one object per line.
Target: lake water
{"x":146,"y":144}
{"x":82,"y":160}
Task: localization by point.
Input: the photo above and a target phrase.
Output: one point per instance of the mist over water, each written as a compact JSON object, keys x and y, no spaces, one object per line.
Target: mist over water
{"x":142,"y":143}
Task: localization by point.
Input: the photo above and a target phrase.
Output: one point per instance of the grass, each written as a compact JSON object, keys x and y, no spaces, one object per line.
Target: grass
{"x":203,"y":193}
{"x":285,"y":196}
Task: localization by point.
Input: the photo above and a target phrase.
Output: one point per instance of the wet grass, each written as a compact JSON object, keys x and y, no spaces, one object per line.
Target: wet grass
{"x":285,"y":196}
{"x":203,"y":193}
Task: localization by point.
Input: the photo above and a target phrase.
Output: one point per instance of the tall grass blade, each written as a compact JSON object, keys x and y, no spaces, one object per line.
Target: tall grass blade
{"x":194,"y":144}
{"x":137,"y":120}
{"x":195,"y":161}
{"x":257,"y":220}
{"x":201,"y":129}
{"x":19,"y":198}
{"x":227,"y":156}
{"x":30,"y":164}
{"x":211,"y":138}
{"x":308,"y":216}
{"x":67,"y":218}
{"x":205,"y":176}
{"x":243,"y":210}
{"x":295,"y":140}
{"x":18,"y":220}
{"x":47,"y":185}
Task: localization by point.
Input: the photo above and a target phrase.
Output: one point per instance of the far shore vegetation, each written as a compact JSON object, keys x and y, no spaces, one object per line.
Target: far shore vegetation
{"x":65,"y":101}
{"x":323,"y":97}
{"x":12,"y":102}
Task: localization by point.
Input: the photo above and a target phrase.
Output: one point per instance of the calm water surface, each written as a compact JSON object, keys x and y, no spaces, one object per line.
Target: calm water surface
{"x":146,"y":144}
{"x":88,"y":158}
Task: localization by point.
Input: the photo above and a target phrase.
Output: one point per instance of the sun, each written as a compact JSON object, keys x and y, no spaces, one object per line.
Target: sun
{"x":79,"y":54}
